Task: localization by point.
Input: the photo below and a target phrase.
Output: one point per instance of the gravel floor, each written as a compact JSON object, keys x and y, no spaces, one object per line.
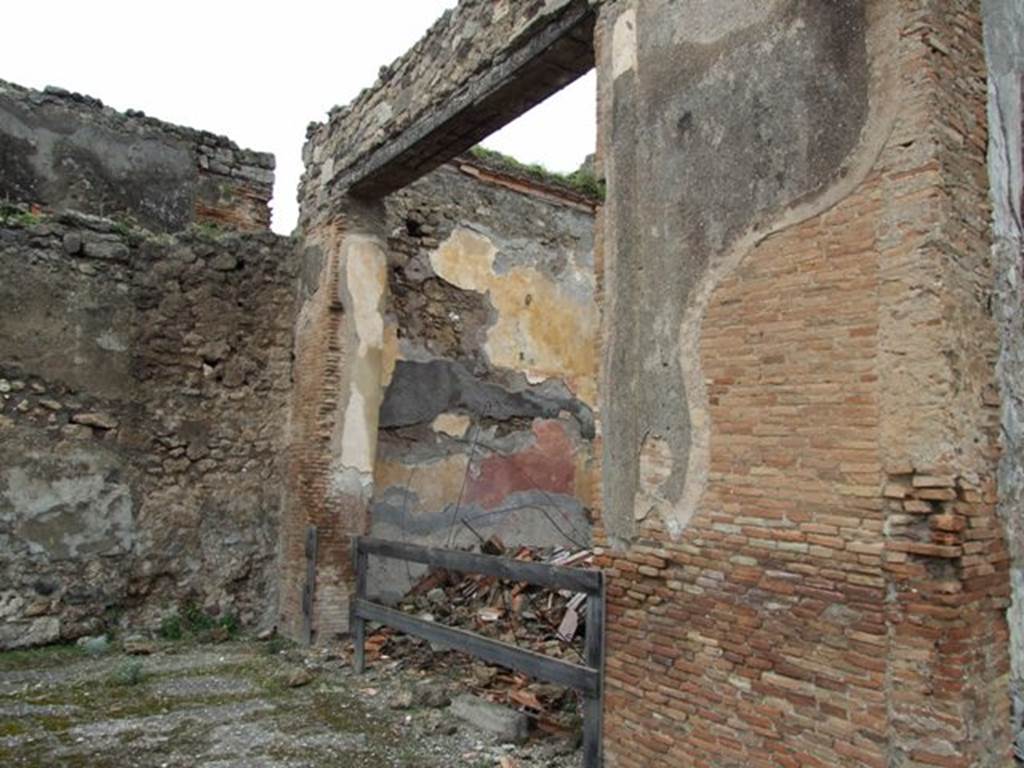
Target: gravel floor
{"x":234,"y":706}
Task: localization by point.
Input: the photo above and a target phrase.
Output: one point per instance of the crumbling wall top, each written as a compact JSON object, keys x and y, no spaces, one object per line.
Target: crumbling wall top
{"x":492,"y":59}
{"x":67,"y":151}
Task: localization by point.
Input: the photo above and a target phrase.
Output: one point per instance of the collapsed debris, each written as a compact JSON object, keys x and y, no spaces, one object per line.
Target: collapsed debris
{"x":547,"y":621}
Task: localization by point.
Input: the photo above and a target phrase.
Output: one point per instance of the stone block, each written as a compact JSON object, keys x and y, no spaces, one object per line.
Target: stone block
{"x":507,"y":725}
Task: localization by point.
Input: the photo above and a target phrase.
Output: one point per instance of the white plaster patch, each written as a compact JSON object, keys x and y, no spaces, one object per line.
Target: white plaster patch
{"x":349,"y":481}
{"x":356,"y":450}
{"x":656,"y":462}
{"x":111,"y":342}
{"x":362,"y":292}
{"x":624,"y":48}
{"x":366,"y":270}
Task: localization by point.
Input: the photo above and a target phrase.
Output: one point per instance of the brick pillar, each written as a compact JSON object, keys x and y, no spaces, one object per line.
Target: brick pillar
{"x":945,"y":556}
{"x":333,"y":428}
{"x":822,"y":376}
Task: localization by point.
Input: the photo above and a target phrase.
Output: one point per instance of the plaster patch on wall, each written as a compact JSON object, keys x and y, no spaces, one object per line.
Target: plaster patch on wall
{"x":68,"y":508}
{"x":850,"y":172}
{"x":365,"y":287}
{"x":366,"y":269}
{"x":452,"y":424}
{"x":356,"y":450}
{"x":542,"y":328}
{"x":392,"y":353}
{"x":624,"y":54}
{"x":111,"y":342}
{"x":434,"y":483}
{"x":350,"y":481}
{"x":656,"y":462}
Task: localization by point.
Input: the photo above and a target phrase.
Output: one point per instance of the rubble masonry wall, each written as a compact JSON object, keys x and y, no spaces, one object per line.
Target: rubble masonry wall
{"x":144,"y":373}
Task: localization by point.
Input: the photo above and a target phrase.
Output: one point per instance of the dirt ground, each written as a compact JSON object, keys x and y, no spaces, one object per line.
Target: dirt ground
{"x":236,"y":705}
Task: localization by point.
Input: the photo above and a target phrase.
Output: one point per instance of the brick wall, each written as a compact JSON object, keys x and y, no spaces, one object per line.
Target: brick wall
{"x":837,"y":597}
{"x":318,"y":384}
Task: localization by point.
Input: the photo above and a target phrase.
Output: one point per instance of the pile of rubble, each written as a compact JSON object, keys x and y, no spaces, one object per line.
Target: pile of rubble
{"x":546,"y":621}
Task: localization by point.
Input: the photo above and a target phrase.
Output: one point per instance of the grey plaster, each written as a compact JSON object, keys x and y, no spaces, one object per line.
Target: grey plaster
{"x":532,"y":518}
{"x":66,"y":151}
{"x":730,"y":122}
{"x":419,"y":392}
{"x":66,"y":505}
{"x":82,"y":344}
{"x":58,"y":159}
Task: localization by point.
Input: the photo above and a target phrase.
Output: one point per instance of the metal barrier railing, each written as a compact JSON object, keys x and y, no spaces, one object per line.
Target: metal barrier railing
{"x":588,"y":678}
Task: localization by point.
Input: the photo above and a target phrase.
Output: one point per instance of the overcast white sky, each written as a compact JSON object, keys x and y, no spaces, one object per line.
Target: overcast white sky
{"x":257,"y":71}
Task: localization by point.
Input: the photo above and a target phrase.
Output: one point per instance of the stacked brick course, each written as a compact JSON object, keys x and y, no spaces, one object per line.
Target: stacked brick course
{"x":320,"y":359}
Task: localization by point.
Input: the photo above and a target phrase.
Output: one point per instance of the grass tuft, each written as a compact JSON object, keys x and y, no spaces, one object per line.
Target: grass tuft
{"x":582,"y":181}
{"x":192,"y":622}
{"x":128,"y":673}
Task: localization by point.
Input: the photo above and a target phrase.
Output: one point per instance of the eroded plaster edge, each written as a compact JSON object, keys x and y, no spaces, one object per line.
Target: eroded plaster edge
{"x":878,"y":127}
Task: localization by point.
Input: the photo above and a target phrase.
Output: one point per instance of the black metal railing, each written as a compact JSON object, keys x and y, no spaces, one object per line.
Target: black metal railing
{"x":588,"y":678}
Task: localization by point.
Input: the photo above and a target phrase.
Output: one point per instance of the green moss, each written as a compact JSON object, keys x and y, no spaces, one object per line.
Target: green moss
{"x":208,"y":230}
{"x":170,"y":627}
{"x":276,"y":644}
{"x":17,"y":216}
{"x":125,"y":225}
{"x":194,"y":623}
{"x":10,"y":728}
{"x":581,"y":181}
{"x":40,"y":658}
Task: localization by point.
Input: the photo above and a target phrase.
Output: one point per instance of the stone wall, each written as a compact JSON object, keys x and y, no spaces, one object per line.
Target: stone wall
{"x":487,"y":422}
{"x":66,"y":151}
{"x":144,"y":375}
{"x":143,"y":390}
{"x":1004,"y":37}
{"x":799,"y":499}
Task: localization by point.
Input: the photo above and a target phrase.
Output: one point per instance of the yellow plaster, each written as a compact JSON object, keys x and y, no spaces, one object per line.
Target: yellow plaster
{"x":451,"y":424}
{"x":541,"y":330}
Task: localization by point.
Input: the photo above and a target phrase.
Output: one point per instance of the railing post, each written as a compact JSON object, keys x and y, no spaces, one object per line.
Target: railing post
{"x":593,"y":710}
{"x":357,"y":623}
{"x":309,"y":588}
